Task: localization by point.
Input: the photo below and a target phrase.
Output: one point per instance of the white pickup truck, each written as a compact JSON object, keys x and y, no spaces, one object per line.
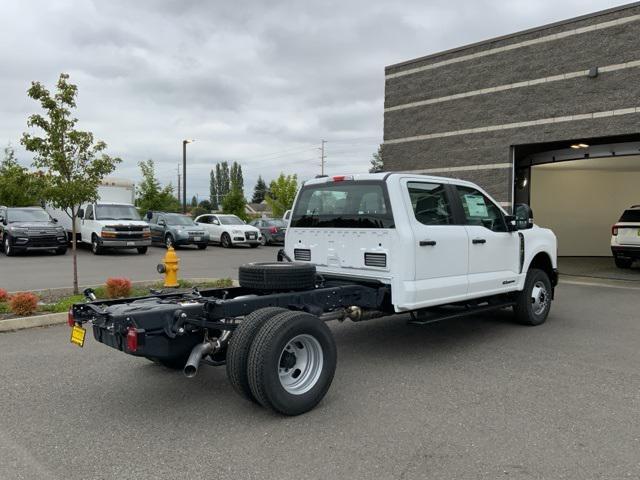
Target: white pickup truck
{"x":357,"y":247}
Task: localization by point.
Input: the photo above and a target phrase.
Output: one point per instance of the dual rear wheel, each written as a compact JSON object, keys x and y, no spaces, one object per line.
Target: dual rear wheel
{"x":283,"y":360}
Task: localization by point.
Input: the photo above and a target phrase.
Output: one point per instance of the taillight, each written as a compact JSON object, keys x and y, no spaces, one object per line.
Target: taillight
{"x":614,"y":230}
{"x":273,"y":230}
{"x":70,"y":320}
{"x":132,"y":339}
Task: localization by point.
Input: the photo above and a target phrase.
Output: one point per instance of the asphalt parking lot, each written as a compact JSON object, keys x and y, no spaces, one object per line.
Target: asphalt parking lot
{"x":35,"y":271}
{"x":464,"y":399}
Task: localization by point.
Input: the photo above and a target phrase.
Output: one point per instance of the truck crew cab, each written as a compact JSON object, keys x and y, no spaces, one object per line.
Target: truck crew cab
{"x":357,"y":247}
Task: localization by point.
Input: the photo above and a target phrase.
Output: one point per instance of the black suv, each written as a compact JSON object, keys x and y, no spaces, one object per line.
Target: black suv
{"x":30,"y":228}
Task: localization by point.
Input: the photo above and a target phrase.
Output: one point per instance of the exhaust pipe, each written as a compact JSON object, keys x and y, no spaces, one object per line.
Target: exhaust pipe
{"x":199,"y":351}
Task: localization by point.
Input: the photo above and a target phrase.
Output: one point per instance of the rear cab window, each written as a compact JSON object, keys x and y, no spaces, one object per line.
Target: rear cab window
{"x":630,"y":216}
{"x":343,"y":205}
{"x":430,"y":203}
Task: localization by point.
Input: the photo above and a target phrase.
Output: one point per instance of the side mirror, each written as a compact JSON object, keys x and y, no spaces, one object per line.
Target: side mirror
{"x":523,"y":216}
{"x":54,"y":220}
{"x":215,"y":222}
{"x":162,"y":223}
{"x":81,"y":213}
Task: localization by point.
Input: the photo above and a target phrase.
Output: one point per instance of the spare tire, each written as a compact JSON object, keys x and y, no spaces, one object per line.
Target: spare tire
{"x":272,"y":276}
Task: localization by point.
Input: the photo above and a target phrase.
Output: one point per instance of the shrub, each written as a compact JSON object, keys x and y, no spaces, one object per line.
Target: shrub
{"x":23,"y":303}
{"x":118,"y":287}
{"x":4,"y":296}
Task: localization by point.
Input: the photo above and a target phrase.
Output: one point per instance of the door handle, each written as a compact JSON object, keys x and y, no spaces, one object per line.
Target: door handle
{"x":427,"y":243}
{"x":478,"y":240}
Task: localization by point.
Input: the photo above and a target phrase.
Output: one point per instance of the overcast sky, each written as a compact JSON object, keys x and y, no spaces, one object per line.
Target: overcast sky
{"x":260,"y":82}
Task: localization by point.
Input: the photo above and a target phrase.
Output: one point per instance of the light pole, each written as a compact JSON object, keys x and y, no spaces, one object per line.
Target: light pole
{"x":184,"y":173}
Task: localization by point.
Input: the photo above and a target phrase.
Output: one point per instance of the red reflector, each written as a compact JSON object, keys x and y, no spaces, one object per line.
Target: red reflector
{"x":273,"y":230}
{"x":339,"y":178}
{"x":70,"y":320}
{"x":614,"y":230}
{"x":132,"y":339}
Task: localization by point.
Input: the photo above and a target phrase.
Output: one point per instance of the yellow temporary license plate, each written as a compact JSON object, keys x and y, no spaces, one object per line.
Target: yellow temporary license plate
{"x":77,"y":335}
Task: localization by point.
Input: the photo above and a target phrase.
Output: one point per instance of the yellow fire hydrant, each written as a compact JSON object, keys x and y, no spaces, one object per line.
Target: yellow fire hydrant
{"x":169,"y":267}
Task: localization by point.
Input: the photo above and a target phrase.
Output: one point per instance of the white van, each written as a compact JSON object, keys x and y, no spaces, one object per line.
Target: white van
{"x":111,"y":222}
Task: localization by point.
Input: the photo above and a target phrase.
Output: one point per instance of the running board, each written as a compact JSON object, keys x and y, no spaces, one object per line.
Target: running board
{"x":416,"y":320}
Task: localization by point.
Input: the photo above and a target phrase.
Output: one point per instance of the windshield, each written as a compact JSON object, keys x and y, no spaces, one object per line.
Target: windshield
{"x":630,"y":216}
{"x":342,"y":205}
{"x":178,"y":220}
{"x":230,"y":220}
{"x":116,"y":212}
{"x":27,"y":215}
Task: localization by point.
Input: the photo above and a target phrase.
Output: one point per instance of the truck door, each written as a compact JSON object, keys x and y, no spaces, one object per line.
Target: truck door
{"x":441,"y":247}
{"x":494,"y":252}
{"x":86,"y":224}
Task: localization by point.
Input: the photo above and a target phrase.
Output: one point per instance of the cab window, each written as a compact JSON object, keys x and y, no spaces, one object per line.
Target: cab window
{"x":430,"y":203}
{"x":480,"y":210}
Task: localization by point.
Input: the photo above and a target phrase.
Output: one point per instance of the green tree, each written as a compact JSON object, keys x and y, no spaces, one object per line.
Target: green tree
{"x":213,"y":190}
{"x":150,"y":195}
{"x":235,"y":177}
{"x":282,"y":193}
{"x":73,"y":162}
{"x":194,"y":201}
{"x":205,"y":205}
{"x":18,"y":186}
{"x":377,"y":163}
{"x":259,"y":191}
{"x":223,"y":181}
{"x":234,"y":203}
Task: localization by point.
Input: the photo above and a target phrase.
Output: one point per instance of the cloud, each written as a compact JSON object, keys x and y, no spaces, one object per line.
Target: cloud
{"x":259,"y":82}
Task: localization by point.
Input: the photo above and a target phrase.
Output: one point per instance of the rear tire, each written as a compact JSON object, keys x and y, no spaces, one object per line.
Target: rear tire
{"x":240,"y":345}
{"x":292,"y":362}
{"x":254,"y":245}
{"x":142,"y":250}
{"x":168,"y":241}
{"x":61,"y":251}
{"x":202,"y":246}
{"x":623,"y":262}
{"x":534,"y":302}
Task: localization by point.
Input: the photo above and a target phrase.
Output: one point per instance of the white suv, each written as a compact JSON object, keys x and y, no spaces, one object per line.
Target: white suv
{"x":625,"y":238}
{"x":229,"y":230}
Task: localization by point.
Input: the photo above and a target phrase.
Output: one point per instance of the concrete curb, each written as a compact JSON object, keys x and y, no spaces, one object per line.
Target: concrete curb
{"x":13,"y":324}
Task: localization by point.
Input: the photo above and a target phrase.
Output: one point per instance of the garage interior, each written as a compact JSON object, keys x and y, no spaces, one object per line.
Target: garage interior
{"x":579,"y":189}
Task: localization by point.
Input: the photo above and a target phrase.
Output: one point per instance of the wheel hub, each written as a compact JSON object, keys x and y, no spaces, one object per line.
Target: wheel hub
{"x":300,"y":364}
{"x":539,"y":298}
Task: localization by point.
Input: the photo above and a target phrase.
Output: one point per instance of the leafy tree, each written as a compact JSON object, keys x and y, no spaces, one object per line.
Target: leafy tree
{"x":377,"y":163}
{"x":259,"y":191}
{"x":74,"y":163}
{"x":234,"y":203}
{"x":235,"y":177}
{"x":18,"y":186}
{"x":213,"y":190}
{"x":150,"y":195}
{"x":205,"y":205}
{"x":223,"y":181}
{"x":194,"y":201}
{"x":282,"y":193}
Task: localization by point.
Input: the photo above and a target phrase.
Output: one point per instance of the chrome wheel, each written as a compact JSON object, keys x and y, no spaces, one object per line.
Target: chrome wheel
{"x":168,"y":241}
{"x":539,"y":298}
{"x":263,"y":240}
{"x":300,"y":364}
{"x":226,"y":240}
{"x":7,"y":247}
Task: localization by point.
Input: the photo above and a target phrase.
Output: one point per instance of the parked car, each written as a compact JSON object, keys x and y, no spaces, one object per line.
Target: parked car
{"x":273,"y":230}
{"x":176,"y":230}
{"x":366,"y":246}
{"x":625,"y":238}
{"x":25,"y":229}
{"x":229,"y":230}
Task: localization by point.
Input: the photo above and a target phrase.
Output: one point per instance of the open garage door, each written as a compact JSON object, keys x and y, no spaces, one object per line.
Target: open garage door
{"x":581,"y":199}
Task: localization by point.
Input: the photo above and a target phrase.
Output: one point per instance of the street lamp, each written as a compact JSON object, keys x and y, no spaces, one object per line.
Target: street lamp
{"x":184,"y":173}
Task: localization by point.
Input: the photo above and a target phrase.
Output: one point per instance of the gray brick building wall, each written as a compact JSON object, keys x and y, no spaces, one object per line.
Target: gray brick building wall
{"x":459,"y":113}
